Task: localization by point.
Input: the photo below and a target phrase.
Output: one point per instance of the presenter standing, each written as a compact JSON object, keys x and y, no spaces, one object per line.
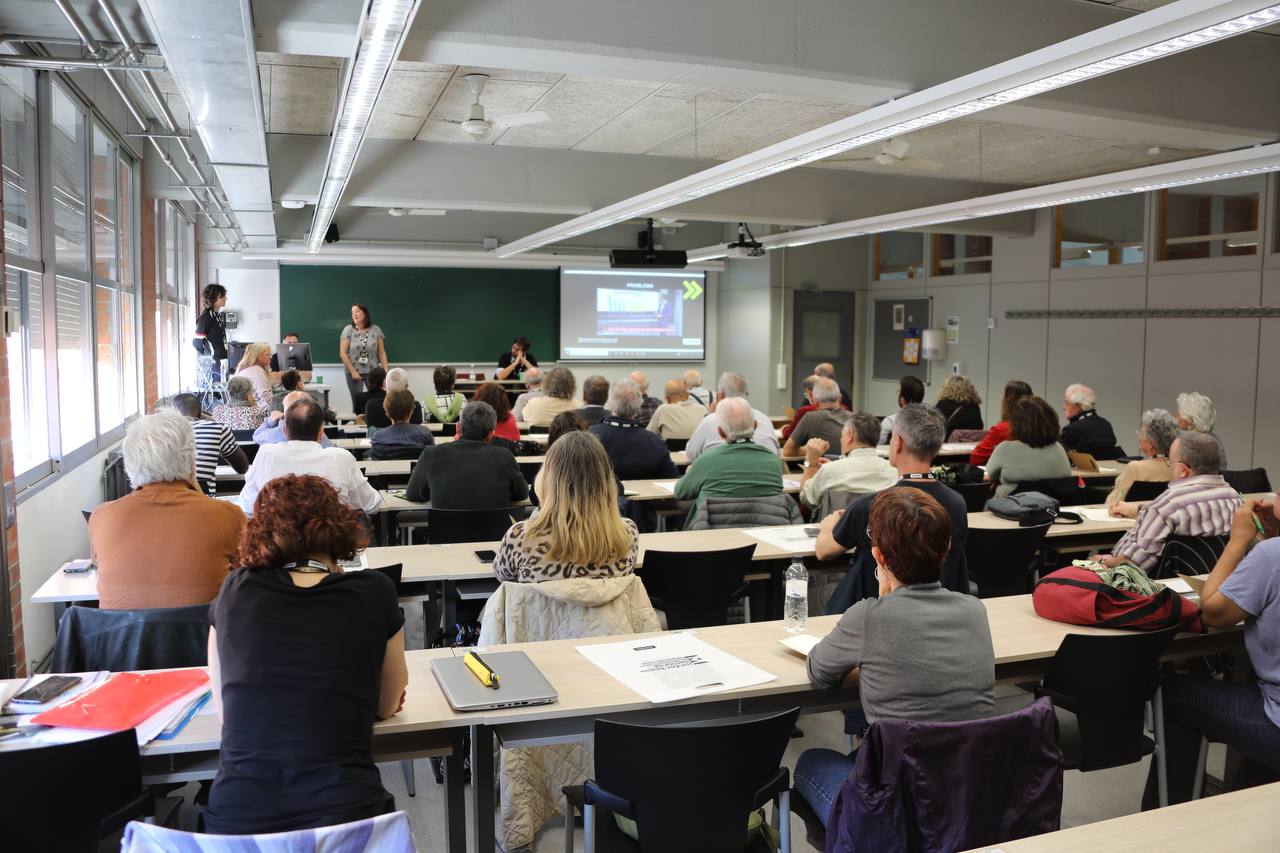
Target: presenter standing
{"x":211,"y":331}
{"x":363,"y":347}
{"x":512,"y":364}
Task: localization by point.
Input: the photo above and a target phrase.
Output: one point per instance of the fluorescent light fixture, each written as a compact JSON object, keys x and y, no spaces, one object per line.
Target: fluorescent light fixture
{"x":1197,"y":170}
{"x":1152,"y":35}
{"x":379,"y":37}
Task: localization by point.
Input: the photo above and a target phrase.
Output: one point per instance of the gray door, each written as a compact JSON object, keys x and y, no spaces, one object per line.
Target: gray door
{"x":822,"y":331}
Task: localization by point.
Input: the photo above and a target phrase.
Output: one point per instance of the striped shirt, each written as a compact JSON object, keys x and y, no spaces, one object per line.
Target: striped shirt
{"x":214,"y":443}
{"x":1202,"y":505}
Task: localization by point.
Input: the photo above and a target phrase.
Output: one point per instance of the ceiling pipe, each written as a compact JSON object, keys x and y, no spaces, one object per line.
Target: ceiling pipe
{"x":113,"y":63}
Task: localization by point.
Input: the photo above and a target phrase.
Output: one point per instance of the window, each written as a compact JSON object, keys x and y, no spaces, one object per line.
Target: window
{"x":1210,"y":220}
{"x":28,"y":400}
{"x":899,"y":255}
{"x":175,"y":321}
{"x":70,"y":226}
{"x":961,"y":254}
{"x":1101,"y":233}
{"x":18,"y":142}
{"x":105,"y":242}
{"x":128,"y":289}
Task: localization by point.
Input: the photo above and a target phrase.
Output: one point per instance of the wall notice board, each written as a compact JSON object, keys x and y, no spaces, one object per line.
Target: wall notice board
{"x":429,"y":314}
{"x":886,"y":361}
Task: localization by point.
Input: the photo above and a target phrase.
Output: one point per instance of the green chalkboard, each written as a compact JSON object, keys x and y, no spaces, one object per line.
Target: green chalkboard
{"x":429,"y":314}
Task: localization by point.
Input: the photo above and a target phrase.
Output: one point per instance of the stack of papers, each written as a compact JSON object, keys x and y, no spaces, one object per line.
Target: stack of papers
{"x":666,"y":485}
{"x":798,"y":538}
{"x":1093,"y":513}
{"x":673,"y":666}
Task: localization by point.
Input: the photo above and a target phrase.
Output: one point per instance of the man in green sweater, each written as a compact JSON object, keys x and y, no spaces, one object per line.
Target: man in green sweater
{"x":739,"y":468}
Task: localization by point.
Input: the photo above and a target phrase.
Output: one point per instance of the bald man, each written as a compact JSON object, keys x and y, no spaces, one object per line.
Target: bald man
{"x":680,"y":415}
{"x":693,"y":384}
{"x":650,"y":404}
{"x":827,"y":370}
{"x":738,"y":468}
{"x":272,"y":429}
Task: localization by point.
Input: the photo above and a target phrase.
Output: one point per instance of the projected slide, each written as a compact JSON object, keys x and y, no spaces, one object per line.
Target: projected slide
{"x":632,"y":315}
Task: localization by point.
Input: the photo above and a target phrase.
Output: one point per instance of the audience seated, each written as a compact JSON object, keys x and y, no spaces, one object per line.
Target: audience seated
{"x":707,"y":434}
{"x":910,"y":390}
{"x":1196,"y":413}
{"x":374,"y":383}
{"x":565,"y":422}
{"x":166,"y":544}
{"x":1198,"y":502}
{"x":215,"y":444}
{"x":1245,"y":715}
{"x":595,"y":394}
{"x":1032,"y":451}
{"x":1086,"y":431}
{"x":271,"y":431}
{"x":558,"y":387}
{"x":375,"y":414}
{"x":806,"y":391}
{"x":738,"y":467}
{"x":680,"y":415}
{"x":255,"y":365}
{"x":648,"y":404}
{"x":577,"y":532}
{"x":825,"y":421}
{"x":1156,"y":435}
{"x":859,"y":470}
{"x":916,"y":652}
{"x":290,"y":381}
{"x":693,"y":381}
{"x":469,"y":472}
{"x":1014,"y":389}
{"x":532,"y":381}
{"x":918,"y":431}
{"x":241,"y":411}
{"x":636,"y":453}
{"x":959,"y":403}
{"x":496,"y":396}
{"x":401,"y":440}
{"x":446,"y":405}
{"x":302,"y":453}
{"x":294,"y":641}
{"x":827,"y":370}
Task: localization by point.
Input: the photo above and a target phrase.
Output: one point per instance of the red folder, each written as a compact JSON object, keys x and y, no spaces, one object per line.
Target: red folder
{"x":124,"y":700}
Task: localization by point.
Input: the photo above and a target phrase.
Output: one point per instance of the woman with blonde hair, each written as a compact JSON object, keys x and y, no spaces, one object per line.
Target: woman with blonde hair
{"x":960,"y":404}
{"x":254,"y":366}
{"x":578,"y":532}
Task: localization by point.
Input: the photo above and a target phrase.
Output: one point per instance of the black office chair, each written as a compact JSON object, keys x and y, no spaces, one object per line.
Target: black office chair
{"x":695,"y":588}
{"x":90,"y":639}
{"x":1003,"y":562}
{"x":68,"y":797}
{"x":687,"y":787}
{"x":1189,"y":555}
{"x":677,"y":444}
{"x":243,"y":434}
{"x":1066,"y":490}
{"x":539,"y":430}
{"x":1249,"y":481}
{"x":1146,"y":490}
{"x":1102,"y":687}
{"x":975,"y":495}
{"x":469,"y":525}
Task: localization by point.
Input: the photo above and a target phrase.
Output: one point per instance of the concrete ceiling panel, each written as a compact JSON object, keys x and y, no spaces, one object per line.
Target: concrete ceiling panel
{"x":669,"y":113}
{"x":406,"y":101}
{"x":578,"y":106}
{"x":754,"y":119}
{"x":500,"y":97}
{"x":303,"y":98}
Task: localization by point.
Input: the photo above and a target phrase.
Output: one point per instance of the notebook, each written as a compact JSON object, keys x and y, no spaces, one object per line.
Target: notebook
{"x":521,"y":682}
{"x":124,"y":700}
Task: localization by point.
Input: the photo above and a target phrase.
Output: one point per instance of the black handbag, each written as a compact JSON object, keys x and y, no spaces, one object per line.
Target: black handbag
{"x":1029,"y":509}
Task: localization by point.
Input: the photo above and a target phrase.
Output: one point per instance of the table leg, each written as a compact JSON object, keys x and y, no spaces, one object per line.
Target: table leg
{"x":449,"y":597}
{"x":455,"y":805}
{"x":482,"y":785}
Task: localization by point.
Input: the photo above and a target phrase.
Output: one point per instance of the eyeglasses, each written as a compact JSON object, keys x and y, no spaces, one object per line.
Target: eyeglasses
{"x":868,"y":532}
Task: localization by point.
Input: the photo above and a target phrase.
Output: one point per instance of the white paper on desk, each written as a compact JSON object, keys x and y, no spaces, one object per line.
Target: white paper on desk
{"x":666,"y":485}
{"x":802,"y":644}
{"x":790,"y":484}
{"x":673,"y":666}
{"x":796,"y":537}
{"x":1102,"y":469}
{"x":1093,"y":513}
{"x":1178,"y":585}
{"x":147,"y":730}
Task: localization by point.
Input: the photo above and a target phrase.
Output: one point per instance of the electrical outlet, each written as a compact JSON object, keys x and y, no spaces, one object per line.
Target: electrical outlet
{"x":782,"y":376}
{"x":991,"y":323}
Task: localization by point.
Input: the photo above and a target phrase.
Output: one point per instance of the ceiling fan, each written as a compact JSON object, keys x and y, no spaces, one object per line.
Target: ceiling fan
{"x":893,"y":153}
{"x":478,"y":127}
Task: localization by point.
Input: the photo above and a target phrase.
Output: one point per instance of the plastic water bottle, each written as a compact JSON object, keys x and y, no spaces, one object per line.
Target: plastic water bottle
{"x":796,"y":610}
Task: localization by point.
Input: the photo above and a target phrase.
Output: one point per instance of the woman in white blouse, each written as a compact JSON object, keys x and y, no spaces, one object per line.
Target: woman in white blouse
{"x":255,"y":366}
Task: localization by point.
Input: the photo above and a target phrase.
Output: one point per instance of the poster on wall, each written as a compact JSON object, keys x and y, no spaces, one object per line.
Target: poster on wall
{"x":911,"y":347}
{"x":899,"y":317}
{"x":953,"y":329}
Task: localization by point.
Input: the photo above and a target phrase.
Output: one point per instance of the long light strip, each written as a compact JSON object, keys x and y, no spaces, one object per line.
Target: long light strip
{"x":1152,"y":35}
{"x":383,"y":27}
{"x":1212,"y":167}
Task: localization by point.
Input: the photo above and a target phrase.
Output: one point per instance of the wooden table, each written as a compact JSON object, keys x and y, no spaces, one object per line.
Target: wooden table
{"x":1247,"y":822}
{"x":955,"y":451}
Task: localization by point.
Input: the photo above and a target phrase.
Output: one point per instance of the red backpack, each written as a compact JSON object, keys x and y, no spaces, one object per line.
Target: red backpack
{"x":1078,"y":596}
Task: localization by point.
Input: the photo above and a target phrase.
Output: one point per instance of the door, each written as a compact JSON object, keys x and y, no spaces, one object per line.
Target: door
{"x":822,"y":331}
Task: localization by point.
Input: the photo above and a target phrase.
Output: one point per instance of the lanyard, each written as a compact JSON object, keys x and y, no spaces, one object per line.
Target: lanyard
{"x":924,"y":477}
{"x":308,"y":567}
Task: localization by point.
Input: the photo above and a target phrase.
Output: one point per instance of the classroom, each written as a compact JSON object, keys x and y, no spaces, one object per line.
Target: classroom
{"x":530,"y":425}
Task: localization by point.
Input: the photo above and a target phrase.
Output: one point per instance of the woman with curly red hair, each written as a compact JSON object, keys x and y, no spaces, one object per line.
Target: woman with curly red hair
{"x":302,"y":659}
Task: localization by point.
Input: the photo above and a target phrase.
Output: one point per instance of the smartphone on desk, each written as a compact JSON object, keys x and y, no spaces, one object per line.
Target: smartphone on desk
{"x":487,"y":556}
{"x":45,"y":691}
{"x":78,"y":567}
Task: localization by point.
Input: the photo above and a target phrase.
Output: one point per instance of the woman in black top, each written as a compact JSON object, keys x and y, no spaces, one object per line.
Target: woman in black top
{"x":512,"y":364}
{"x":211,"y":334}
{"x":960,"y":404}
{"x":302,"y":659}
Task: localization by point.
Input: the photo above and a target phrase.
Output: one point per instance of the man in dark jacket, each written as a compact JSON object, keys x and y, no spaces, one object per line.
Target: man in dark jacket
{"x":468,"y":473}
{"x":595,"y":393}
{"x":636,"y":453}
{"x":1087,"y":431}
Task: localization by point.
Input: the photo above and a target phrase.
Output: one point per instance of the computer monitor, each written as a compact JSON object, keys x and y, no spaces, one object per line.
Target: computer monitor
{"x":293,"y":356}
{"x":235,"y":352}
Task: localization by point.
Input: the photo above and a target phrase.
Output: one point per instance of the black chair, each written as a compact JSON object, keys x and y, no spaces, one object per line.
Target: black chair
{"x":469,"y":525}
{"x":1002,"y":562}
{"x":677,"y":444}
{"x":332,"y":432}
{"x":975,"y":495}
{"x":1146,"y":490}
{"x":449,"y":429}
{"x":695,"y":588}
{"x":70,"y":796}
{"x":1102,"y":687}
{"x":539,"y":430}
{"x":686,"y":787}
{"x":1250,"y":481}
{"x":1066,"y":490}
{"x":1108,"y":453}
{"x":90,"y":639}
{"x":1189,"y":555}
{"x":243,"y":434}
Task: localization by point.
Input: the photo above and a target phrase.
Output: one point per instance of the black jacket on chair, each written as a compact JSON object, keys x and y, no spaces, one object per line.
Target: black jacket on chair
{"x":1089,"y":432}
{"x":117,"y":640}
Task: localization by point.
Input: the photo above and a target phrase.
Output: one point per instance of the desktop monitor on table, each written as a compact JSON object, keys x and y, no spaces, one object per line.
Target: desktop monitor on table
{"x":235,"y":352}
{"x":293,"y":356}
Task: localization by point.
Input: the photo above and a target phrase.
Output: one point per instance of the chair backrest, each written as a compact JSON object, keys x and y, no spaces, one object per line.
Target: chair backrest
{"x":1106,"y":453}
{"x":832,"y":500}
{"x":746,"y":512}
{"x":243,"y":434}
{"x":1066,"y":490}
{"x":691,"y":787}
{"x":534,"y":429}
{"x":1189,"y":555}
{"x":1000,"y":561}
{"x":333,"y":432}
{"x":975,"y":495}
{"x":115,"y":482}
{"x":964,"y":436}
{"x":1248,"y":481}
{"x":1106,"y":680}
{"x":675,"y":444}
{"x":387,"y":833}
{"x":449,"y":428}
{"x":394,"y":571}
{"x":1145,"y":490}
{"x":119,"y":640}
{"x":57,"y":797}
{"x":469,"y":525}
{"x":694,"y":587}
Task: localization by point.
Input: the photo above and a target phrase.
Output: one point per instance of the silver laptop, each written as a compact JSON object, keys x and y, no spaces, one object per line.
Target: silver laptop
{"x":520,"y":683}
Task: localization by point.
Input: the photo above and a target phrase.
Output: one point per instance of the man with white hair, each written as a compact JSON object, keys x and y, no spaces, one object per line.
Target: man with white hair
{"x":375,"y":413}
{"x":737,"y":467}
{"x":648,"y":404}
{"x":272,"y":429}
{"x":1087,"y":431}
{"x":827,"y":370}
{"x":693,"y":382}
{"x":707,"y":435}
{"x":680,"y":415}
{"x":166,"y":543}
{"x":636,"y":453}
{"x":826,"y":421}
{"x":532,"y":381}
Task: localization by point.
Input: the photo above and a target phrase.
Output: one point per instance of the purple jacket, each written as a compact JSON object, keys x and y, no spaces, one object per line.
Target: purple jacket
{"x":941,"y":787}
